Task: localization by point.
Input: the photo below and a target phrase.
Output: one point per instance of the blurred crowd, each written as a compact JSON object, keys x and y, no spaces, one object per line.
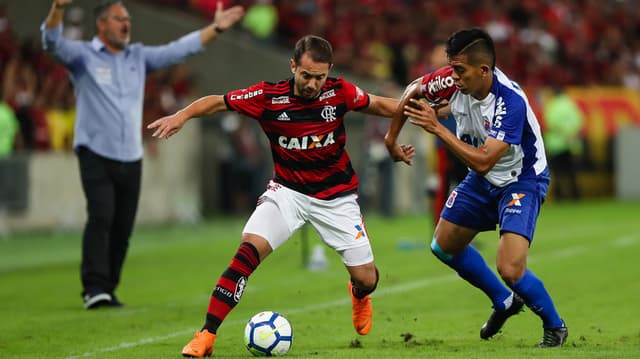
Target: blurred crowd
{"x":540,"y":43}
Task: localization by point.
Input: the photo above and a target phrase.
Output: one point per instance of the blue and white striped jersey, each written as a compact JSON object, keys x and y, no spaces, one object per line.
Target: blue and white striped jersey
{"x":505,"y":114}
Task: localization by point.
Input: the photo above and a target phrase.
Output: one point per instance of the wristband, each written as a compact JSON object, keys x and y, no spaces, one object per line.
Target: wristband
{"x":217,"y":29}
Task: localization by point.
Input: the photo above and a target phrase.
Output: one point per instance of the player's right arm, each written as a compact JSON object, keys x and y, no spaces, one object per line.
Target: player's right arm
{"x":247,"y":101}
{"x":167,"y":126}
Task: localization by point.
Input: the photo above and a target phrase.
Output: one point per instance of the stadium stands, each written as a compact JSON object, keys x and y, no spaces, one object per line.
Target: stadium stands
{"x":572,"y":42}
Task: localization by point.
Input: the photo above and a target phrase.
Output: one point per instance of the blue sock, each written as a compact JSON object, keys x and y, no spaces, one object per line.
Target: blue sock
{"x":531,"y":289}
{"x":471,"y":267}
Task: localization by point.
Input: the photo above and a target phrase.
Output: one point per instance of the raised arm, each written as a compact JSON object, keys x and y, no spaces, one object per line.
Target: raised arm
{"x":222,"y":20}
{"x":54,"y":18}
{"x":167,"y":126}
{"x":397,"y":151}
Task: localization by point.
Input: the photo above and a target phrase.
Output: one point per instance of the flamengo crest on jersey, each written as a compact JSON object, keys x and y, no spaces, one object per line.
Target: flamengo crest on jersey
{"x":307,"y":137}
{"x":505,"y":114}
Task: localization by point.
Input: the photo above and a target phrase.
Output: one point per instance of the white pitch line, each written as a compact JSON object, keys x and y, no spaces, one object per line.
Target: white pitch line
{"x":399,"y":288}
{"x":130,"y":344}
{"x":626,"y":241}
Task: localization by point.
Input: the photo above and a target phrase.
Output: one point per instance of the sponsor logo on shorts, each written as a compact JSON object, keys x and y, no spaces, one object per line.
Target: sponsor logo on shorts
{"x":516,"y":197}
{"x":272,"y":186}
{"x":451,"y":200}
{"x":361,"y":233}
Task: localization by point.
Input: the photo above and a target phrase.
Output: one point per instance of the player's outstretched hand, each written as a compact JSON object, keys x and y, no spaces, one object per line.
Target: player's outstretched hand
{"x":421,"y":114}
{"x":167,"y":126}
{"x":399,"y":152}
{"x":224,"y":19}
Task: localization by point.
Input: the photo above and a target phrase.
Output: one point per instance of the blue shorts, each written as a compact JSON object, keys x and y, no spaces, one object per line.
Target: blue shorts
{"x":475,"y":203}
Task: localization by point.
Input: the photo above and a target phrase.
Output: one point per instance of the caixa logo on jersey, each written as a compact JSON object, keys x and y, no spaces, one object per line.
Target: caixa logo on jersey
{"x":306,"y":142}
{"x":245,"y":95}
{"x":439,"y":83}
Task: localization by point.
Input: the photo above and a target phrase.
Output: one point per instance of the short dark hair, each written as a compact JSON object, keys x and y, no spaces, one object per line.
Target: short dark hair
{"x":319,"y":49}
{"x":476,"y":43}
{"x":102,"y":7}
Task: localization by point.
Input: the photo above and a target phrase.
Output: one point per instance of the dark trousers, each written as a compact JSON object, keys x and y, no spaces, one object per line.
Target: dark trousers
{"x":564,"y":179}
{"x":112,"y":189}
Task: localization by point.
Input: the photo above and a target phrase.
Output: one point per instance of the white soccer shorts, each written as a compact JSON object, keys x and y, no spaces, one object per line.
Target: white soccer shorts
{"x":281,"y":211}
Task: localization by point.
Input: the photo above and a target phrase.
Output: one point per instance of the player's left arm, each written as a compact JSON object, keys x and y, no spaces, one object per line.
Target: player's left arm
{"x":381,"y":106}
{"x":401,"y":152}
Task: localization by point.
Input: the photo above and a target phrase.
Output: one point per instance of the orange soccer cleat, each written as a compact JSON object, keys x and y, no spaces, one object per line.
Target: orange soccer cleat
{"x":200,"y":346}
{"x":362,"y":312}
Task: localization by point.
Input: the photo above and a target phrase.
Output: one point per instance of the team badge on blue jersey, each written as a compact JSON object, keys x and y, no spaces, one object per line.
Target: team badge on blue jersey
{"x":487,"y":123}
{"x":451,"y":199}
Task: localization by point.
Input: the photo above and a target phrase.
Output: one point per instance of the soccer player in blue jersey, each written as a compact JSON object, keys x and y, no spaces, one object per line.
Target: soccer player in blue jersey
{"x":499,"y":139}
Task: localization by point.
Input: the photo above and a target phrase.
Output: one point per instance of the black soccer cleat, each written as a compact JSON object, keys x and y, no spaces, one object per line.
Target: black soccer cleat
{"x":554,"y":337}
{"x":498,"y":317}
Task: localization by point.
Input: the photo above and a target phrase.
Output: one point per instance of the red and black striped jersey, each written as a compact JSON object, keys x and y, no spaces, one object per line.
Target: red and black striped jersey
{"x":307,"y":137}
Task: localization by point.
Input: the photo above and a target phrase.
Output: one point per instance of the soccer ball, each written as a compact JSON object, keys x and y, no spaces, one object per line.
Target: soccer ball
{"x":268,"y":334}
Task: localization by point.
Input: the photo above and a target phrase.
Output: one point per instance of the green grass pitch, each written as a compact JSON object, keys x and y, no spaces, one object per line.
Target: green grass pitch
{"x":586,"y":253}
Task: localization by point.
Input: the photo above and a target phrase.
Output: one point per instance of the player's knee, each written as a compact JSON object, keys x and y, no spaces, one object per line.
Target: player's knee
{"x":439,"y":252}
{"x":260,"y":244}
{"x":368,"y":281}
{"x":510,"y":273}
{"x":367,"y":284}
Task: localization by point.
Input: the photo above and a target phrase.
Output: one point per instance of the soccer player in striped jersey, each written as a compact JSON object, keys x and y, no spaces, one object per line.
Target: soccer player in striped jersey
{"x":314,"y":180}
{"x":499,"y":139}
